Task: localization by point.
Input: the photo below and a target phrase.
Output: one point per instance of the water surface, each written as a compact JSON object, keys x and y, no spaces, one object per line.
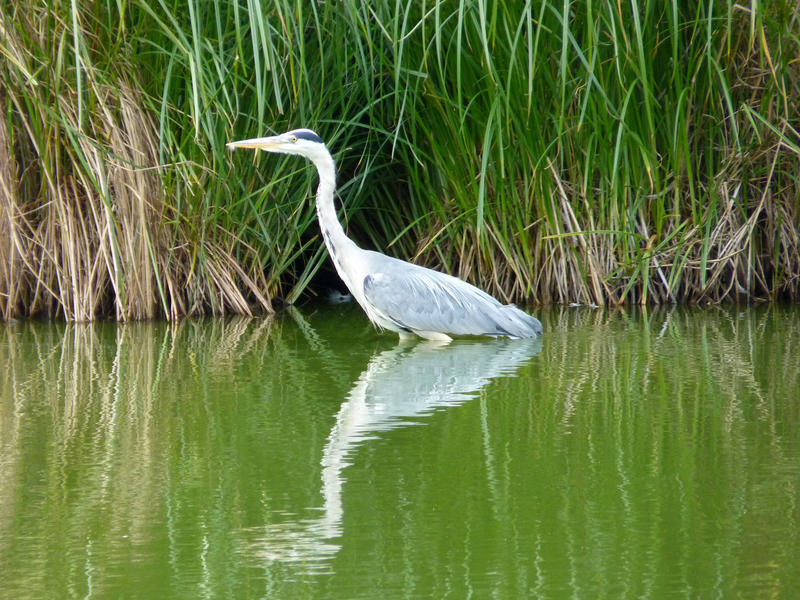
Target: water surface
{"x":626,"y":454}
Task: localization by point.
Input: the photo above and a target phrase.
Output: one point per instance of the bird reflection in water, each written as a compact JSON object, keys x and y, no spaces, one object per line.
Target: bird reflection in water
{"x":397,"y":388}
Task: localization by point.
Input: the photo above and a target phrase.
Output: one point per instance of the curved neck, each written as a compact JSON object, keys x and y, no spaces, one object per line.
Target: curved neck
{"x":336,"y":241}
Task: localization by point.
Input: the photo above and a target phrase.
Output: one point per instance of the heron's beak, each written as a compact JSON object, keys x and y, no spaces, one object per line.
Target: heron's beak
{"x":265,"y":143}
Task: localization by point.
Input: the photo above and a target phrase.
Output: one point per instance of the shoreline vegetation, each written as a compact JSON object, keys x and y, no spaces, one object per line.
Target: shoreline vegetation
{"x":549,"y":152}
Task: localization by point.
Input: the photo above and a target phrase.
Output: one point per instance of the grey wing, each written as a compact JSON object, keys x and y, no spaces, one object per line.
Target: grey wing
{"x":419,"y":299}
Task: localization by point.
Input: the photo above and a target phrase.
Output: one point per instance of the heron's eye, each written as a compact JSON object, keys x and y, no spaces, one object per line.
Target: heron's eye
{"x":294,"y":139}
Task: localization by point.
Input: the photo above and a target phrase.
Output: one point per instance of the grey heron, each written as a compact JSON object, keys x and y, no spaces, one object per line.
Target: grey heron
{"x":397,"y":295}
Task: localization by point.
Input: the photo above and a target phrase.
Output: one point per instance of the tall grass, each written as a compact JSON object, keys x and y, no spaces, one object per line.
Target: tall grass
{"x":639,"y":152}
{"x":547,"y":151}
{"x":92,"y":210}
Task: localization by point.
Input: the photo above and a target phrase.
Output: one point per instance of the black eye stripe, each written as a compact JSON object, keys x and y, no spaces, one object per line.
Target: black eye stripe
{"x":306,"y":134}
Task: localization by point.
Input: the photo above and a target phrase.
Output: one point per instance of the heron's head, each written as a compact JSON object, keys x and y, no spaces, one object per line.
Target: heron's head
{"x":303,"y":142}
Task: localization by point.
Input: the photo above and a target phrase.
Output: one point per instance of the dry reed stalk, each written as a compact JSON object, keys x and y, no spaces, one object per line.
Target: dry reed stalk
{"x":11,"y":265}
{"x":83,"y":215}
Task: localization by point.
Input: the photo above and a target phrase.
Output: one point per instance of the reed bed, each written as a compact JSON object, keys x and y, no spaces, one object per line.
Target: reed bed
{"x":551,"y":152}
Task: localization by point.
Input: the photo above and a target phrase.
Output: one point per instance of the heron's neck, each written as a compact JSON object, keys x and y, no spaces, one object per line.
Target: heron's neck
{"x":335,"y":239}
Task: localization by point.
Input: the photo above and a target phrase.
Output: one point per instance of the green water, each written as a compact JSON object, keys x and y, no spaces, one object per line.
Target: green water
{"x":628,"y":454}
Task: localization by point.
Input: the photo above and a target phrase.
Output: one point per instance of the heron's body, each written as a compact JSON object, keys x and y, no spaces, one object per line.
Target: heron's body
{"x":397,"y":295}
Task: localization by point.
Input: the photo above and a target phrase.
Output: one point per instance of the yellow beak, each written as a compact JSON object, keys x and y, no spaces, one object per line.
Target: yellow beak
{"x":265,"y":143}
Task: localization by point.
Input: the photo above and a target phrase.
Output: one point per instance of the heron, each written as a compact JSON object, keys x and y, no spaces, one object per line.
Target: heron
{"x":408,"y":299}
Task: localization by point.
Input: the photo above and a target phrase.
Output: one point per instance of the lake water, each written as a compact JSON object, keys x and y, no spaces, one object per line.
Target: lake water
{"x":628,"y":453}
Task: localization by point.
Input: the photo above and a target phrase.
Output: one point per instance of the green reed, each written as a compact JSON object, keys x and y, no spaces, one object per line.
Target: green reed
{"x":547,"y":151}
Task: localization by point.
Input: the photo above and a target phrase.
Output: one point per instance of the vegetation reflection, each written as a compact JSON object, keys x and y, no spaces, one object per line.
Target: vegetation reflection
{"x":639,"y":453}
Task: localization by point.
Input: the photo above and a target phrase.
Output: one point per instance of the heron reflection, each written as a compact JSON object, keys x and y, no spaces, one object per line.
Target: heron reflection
{"x":397,"y":388}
